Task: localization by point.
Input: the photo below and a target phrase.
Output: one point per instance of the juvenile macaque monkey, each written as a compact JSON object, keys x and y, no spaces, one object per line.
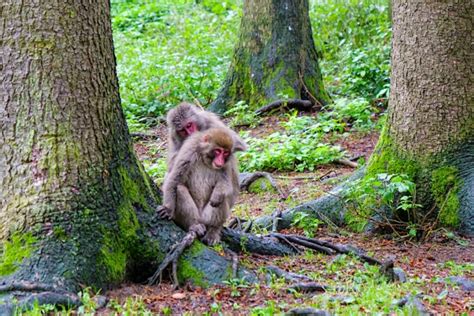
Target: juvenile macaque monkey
{"x":203,"y":185}
{"x":186,"y":119}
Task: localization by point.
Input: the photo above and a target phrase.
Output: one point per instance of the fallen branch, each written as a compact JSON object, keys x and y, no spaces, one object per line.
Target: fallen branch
{"x":144,"y":136}
{"x":347,"y":162}
{"x":301,"y":105}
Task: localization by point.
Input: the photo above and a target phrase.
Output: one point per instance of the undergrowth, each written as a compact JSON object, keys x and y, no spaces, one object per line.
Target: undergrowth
{"x":170,"y":51}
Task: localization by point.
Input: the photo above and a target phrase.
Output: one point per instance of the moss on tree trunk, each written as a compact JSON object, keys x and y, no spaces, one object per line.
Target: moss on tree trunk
{"x":429,"y":134}
{"x":71,"y":187}
{"x":275,"y":58}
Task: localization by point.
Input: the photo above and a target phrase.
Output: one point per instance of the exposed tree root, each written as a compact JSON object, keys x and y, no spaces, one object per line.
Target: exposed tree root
{"x":28,"y":294}
{"x":329,"y":208}
{"x":308,"y":287}
{"x":414,"y":302}
{"x":301,"y":105}
{"x":282,"y":244}
{"x":239,"y":241}
{"x":288,"y":276}
{"x":172,"y":258}
{"x":307,"y":311}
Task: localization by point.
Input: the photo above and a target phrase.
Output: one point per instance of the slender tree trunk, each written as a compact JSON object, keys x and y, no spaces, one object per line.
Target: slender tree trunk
{"x":72,"y":193}
{"x":275,"y":58}
{"x":430,"y":129}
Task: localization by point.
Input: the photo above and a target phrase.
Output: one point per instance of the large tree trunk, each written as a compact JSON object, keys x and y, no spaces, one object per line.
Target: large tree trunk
{"x":275,"y":58}
{"x":72,"y":194}
{"x":429,"y":134}
{"x":430,"y":129}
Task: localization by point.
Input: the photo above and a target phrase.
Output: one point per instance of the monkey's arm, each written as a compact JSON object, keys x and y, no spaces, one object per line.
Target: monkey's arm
{"x":175,"y":177}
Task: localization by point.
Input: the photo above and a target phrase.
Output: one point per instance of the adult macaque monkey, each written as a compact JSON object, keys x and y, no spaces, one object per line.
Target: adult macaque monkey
{"x":186,"y":119}
{"x":203,"y":185}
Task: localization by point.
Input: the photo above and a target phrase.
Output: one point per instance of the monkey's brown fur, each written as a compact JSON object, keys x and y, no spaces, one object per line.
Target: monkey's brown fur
{"x":198,"y":195}
{"x":185,"y":113}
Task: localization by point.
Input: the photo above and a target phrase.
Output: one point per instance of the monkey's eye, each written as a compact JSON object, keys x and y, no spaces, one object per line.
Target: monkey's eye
{"x":218,"y":152}
{"x":226,"y":153}
{"x":189,"y":125}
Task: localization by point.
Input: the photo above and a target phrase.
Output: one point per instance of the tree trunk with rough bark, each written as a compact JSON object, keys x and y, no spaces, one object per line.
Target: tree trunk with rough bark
{"x":73,"y":196}
{"x":429,"y":134}
{"x":275,"y":58}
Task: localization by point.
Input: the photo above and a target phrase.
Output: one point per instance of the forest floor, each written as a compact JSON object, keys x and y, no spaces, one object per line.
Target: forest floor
{"x":356,"y":287}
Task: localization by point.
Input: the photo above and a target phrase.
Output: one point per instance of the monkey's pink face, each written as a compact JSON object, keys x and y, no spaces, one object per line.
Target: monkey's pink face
{"x":188,"y":129}
{"x":220,"y":157}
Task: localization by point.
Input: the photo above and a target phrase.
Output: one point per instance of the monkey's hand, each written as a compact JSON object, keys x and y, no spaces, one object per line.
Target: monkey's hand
{"x":199,"y":229}
{"x":164,"y":212}
{"x":216,"y":199}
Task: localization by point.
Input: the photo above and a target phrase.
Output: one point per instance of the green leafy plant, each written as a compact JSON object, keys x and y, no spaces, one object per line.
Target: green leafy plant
{"x":385,"y":195}
{"x":354,"y":112}
{"x":236,"y":285}
{"x":170,"y":51}
{"x":156,"y":168}
{"x":353,"y":38}
{"x":241,"y":115}
{"x":308,"y":223}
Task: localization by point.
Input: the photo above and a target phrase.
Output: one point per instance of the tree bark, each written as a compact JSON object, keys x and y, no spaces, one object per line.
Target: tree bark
{"x":72,"y":192}
{"x":275,"y":58}
{"x":429,"y":133}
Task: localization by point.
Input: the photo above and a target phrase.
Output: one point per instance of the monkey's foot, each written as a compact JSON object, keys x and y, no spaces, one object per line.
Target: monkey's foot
{"x":164,"y":212}
{"x":211,"y":238}
{"x":199,"y":229}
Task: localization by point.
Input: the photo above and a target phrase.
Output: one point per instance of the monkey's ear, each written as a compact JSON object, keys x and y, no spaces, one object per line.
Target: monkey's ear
{"x":239,"y":144}
{"x":205,"y":138}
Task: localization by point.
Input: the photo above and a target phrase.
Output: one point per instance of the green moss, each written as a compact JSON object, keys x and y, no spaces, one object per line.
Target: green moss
{"x":59,"y":233}
{"x":131,"y":188}
{"x":113,"y":257}
{"x":13,"y":252}
{"x":445,"y":185}
{"x":187,"y":272}
{"x":122,"y":243}
{"x":387,"y":159}
{"x":261,"y":185}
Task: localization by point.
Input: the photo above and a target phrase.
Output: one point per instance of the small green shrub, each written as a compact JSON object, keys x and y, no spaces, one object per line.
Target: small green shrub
{"x":170,"y":51}
{"x":353,"y":38}
{"x":356,"y":112}
{"x":156,"y":168}
{"x":308,"y":223}
{"x":287,"y":152}
{"x":241,"y":115}
{"x":383,"y":194}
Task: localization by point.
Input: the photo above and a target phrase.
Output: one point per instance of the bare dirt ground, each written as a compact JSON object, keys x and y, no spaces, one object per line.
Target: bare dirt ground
{"x":429,"y":262}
